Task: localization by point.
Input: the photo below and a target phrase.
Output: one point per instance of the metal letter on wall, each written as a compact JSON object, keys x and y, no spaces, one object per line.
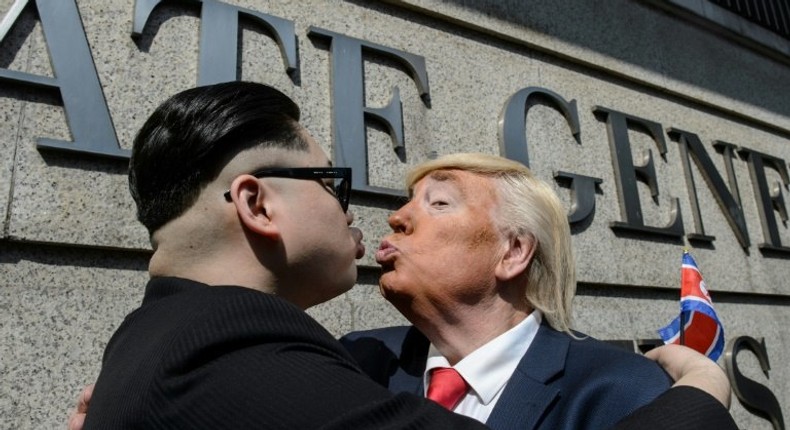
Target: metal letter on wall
{"x":768,"y":201}
{"x":729,"y":202}
{"x":513,"y":121}
{"x":348,"y":104}
{"x":513,"y":144}
{"x":627,"y":173}
{"x":75,"y":78}
{"x":756,"y":398}
{"x":582,"y":195}
{"x":219,"y":36}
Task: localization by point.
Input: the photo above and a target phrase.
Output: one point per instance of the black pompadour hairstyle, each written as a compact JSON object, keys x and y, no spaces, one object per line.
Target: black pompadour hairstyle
{"x":190,"y":137}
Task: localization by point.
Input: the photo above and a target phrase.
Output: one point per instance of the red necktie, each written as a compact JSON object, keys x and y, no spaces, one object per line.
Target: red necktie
{"x":447,"y":387}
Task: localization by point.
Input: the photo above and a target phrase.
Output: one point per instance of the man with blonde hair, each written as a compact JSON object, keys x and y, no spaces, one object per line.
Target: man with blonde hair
{"x":480,"y":261}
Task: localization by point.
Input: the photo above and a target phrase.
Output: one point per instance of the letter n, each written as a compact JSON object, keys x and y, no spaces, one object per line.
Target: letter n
{"x":729,"y":201}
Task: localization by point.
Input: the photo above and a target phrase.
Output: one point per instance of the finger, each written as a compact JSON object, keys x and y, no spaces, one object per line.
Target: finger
{"x":85,"y":399}
{"x":76,"y":421}
{"x":662,"y":355}
{"x":677,"y":360}
{"x":689,"y":367}
{"x":654,"y":353}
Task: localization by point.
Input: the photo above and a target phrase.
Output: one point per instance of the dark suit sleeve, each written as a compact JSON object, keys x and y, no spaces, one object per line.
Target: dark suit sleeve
{"x":680,"y":408}
{"x":402,"y":411}
{"x":294,"y":386}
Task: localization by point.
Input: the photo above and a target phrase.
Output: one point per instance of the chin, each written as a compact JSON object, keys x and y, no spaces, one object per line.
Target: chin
{"x":385,"y":288}
{"x":392,"y":294}
{"x":346,"y":281}
{"x":382,"y":291}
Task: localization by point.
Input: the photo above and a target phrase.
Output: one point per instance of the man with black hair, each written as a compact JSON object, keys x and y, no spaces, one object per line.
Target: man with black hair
{"x":249,"y":224}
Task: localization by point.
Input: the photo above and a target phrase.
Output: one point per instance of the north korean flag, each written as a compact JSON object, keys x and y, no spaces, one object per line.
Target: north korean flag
{"x":701,"y":328}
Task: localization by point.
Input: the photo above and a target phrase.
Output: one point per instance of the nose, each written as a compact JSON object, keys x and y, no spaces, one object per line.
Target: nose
{"x":400,"y":220}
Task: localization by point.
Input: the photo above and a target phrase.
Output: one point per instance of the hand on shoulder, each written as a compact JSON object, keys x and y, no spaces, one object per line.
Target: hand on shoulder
{"x":689,"y":367}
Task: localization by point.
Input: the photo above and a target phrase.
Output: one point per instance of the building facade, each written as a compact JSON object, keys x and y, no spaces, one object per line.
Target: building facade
{"x":662,"y":124}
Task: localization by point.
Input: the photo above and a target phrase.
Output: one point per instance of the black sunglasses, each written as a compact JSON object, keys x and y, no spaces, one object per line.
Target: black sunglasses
{"x":341,"y":190}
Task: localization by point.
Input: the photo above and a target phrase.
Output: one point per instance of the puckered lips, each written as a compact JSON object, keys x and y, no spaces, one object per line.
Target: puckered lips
{"x":386,"y":254}
{"x":357,"y":235}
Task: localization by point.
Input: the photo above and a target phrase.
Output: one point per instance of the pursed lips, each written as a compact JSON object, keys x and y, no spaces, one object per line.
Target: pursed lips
{"x":357,"y":235}
{"x":385,"y":255}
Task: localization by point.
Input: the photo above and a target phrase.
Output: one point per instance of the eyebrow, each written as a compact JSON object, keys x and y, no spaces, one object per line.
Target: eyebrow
{"x":443,"y":175}
{"x":439,"y":176}
{"x":450,"y":178}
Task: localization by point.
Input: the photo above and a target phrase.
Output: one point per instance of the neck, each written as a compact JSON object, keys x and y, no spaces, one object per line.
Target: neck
{"x":199,"y":256}
{"x":208,"y":269}
{"x":459,"y":332}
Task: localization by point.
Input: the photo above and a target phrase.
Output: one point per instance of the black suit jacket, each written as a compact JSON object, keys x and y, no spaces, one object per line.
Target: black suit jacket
{"x":560,"y":383}
{"x":200,"y":357}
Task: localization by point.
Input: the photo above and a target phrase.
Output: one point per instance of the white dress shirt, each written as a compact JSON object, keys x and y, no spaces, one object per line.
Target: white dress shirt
{"x":488,"y":369}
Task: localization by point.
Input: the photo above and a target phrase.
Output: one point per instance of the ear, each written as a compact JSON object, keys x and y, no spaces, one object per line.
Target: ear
{"x":253,"y":203}
{"x":516,"y":259}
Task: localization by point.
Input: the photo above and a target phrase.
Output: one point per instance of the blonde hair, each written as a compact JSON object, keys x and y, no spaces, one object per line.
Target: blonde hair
{"x":528,"y":208}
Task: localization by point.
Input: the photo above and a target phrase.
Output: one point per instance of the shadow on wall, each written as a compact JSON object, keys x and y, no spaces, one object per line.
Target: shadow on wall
{"x":628,"y":31}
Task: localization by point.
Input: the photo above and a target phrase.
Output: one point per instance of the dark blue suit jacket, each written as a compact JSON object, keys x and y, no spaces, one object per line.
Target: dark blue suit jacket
{"x":560,"y":383}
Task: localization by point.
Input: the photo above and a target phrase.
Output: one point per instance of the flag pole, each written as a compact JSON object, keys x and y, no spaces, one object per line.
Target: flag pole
{"x":682,"y":327}
{"x":683,"y":314}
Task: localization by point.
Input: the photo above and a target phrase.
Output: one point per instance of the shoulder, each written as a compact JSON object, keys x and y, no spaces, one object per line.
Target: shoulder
{"x":599,"y":383}
{"x":195,"y":329}
{"x":385,"y":342}
{"x":604,"y":358}
{"x":598,"y":356}
{"x":383,"y":334}
{"x":596,"y":369}
{"x":392,"y":356}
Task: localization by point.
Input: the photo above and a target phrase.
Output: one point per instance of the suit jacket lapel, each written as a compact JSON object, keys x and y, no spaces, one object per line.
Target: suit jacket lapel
{"x":528,"y":395}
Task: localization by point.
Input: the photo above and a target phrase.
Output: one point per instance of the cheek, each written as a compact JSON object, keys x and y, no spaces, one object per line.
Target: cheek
{"x":483,"y":238}
{"x":467,"y":244}
{"x":471,"y":257}
{"x":453,"y":256}
{"x":330,"y":224}
{"x":433,"y":273}
{"x":452,"y":247}
{"x":326,"y":236}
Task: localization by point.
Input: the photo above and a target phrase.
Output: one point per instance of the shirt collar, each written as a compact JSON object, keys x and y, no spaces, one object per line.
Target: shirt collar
{"x":488,"y":368}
